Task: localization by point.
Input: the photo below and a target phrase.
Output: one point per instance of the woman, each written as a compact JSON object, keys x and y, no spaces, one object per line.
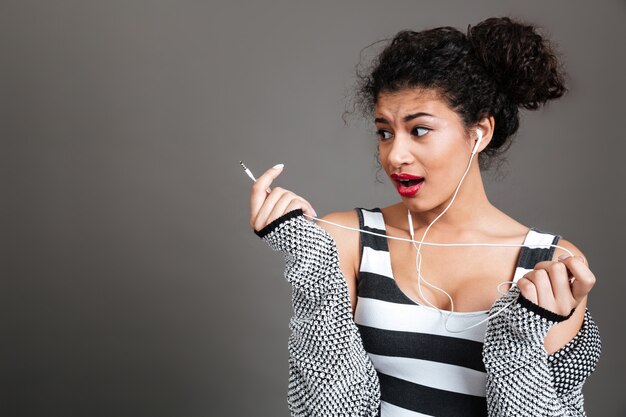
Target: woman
{"x":368,"y":334}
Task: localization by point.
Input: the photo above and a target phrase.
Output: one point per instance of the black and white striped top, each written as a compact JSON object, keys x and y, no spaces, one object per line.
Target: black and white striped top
{"x":424,"y":370}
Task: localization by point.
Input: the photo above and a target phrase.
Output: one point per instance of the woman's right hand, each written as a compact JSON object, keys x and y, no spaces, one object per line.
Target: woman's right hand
{"x":266,"y":207}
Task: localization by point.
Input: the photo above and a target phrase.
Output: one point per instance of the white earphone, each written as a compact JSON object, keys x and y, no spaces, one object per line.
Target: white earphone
{"x":479,"y":133}
{"x":418,"y":257}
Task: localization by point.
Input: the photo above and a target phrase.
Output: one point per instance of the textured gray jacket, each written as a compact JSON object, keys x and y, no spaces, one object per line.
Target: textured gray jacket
{"x":330,"y":373}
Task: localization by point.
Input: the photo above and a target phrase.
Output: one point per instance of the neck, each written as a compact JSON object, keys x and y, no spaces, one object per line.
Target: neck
{"x":469,"y":210}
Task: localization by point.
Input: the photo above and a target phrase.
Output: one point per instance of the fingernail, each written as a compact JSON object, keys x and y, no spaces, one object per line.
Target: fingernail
{"x":563,"y":257}
{"x":278,"y":166}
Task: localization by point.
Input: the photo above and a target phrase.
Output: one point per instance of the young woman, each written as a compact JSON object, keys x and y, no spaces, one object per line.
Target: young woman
{"x":390,"y":328}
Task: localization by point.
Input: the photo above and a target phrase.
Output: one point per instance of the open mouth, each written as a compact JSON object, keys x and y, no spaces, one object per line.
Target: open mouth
{"x":407,"y":184}
{"x":409,"y":187}
{"x":410,"y":183}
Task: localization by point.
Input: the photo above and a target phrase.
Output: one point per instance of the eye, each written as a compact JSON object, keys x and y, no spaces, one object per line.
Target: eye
{"x":380,"y":133}
{"x":420,"y":131}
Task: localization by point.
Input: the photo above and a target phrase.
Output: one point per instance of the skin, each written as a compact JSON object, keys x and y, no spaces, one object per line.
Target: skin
{"x":438,"y":147}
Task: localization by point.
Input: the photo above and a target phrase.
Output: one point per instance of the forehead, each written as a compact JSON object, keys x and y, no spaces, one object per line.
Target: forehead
{"x":397,"y":104}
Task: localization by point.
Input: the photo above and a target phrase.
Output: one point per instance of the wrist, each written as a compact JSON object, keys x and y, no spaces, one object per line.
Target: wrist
{"x":270,"y":227}
{"x":542,"y":312}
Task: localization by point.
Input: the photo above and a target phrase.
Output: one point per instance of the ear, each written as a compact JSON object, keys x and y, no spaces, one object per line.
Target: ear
{"x":487,"y":125}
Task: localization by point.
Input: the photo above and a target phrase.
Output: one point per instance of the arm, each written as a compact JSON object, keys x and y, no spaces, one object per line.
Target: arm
{"x":521,"y":378}
{"x":573,"y":363}
{"x":562,"y":333}
{"x":330,"y":373}
{"x":573,"y":345}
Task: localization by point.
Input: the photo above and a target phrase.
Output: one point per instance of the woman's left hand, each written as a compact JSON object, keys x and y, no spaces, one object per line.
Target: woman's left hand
{"x":548,"y":284}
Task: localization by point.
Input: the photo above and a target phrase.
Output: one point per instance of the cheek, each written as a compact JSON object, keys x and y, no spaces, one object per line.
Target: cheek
{"x":443,"y":156}
{"x":446,"y":163}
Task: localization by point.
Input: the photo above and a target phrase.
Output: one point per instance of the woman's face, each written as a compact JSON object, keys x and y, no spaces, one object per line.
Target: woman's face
{"x":420,"y":136}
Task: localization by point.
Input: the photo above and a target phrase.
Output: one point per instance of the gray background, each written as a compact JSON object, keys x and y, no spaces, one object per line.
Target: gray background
{"x":131,"y":284}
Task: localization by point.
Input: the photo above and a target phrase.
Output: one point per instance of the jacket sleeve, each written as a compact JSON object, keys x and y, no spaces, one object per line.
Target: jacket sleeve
{"x":330,"y":373}
{"x":521,"y":378}
{"x":573,"y":363}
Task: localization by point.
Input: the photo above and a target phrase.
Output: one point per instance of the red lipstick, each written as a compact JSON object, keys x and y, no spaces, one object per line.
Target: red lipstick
{"x":407,"y":185}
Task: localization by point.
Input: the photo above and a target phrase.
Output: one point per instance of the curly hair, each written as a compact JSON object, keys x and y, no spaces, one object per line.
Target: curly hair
{"x":498,"y":66}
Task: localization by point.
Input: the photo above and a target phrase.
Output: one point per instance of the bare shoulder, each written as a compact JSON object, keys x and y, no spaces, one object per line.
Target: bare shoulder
{"x":345,"y":218}
{"x":571,"y":247}
{"x":347,"y":241}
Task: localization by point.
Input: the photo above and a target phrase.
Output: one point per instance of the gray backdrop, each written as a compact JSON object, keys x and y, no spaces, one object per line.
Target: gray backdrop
{"x":131,"y":282}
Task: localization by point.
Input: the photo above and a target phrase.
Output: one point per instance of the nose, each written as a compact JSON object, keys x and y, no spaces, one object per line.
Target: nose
{"x":399,"y":151}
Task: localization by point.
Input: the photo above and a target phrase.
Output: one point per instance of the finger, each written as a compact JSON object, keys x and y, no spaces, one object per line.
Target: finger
{"x":262,"y":217}
{"x":541,"y":280}
{"x":559,"y":280}
{"x":547,"y":265}
{"x":259,"y":193}
{"x":281,"y":206}
{"x":584,"y":279}
{"x":301,"y":203}
{"x":308,"y":209}
{"x":561,"y":288}
{"x":265,"y":180}
{"x":528,"y":290}
{"x":543,"y":265}
{"x":293,"y":204}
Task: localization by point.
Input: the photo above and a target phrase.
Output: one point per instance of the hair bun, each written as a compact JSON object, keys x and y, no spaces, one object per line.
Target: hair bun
{"x":522,"y":62}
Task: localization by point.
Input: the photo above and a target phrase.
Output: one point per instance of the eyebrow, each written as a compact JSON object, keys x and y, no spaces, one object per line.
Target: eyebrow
{"x":405,"y":119}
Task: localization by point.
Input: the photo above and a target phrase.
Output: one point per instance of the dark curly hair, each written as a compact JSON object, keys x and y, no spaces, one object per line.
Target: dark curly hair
{"x":499,"y":66}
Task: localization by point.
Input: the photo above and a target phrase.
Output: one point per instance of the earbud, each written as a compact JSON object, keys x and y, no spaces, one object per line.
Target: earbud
{"x":479,"y":133}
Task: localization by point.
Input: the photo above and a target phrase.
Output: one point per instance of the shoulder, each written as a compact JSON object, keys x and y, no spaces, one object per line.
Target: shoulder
{"x":347,"y":241}
{"x":344,"y":218}
{"x":569,"y":246}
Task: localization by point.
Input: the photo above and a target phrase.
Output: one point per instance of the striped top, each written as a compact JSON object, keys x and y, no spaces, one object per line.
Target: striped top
{"x":423,"y":369}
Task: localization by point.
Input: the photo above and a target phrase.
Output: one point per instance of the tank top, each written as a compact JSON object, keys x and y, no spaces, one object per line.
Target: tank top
{"x":423,"y":369}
